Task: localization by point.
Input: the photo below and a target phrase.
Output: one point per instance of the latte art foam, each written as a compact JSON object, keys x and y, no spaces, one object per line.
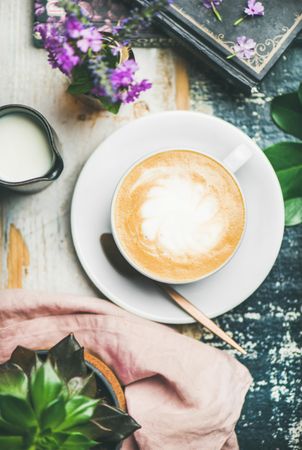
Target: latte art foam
{"x":179,"y":215}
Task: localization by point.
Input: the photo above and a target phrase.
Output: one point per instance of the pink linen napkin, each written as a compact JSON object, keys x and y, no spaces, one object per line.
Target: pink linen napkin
{"x":185,"y":394}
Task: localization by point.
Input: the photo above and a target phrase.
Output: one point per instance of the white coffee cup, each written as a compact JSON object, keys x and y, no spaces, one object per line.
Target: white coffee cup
{"x":232,"y":163}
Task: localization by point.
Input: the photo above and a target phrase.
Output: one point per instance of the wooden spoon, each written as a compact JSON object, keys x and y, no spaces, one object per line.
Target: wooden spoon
{"x":124,"y":268}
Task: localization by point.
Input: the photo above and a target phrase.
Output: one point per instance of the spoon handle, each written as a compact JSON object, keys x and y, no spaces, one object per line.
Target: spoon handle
{"x":199,"y":316}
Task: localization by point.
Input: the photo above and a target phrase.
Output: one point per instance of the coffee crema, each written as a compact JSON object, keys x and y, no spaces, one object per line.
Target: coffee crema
{"x":178,"y":215}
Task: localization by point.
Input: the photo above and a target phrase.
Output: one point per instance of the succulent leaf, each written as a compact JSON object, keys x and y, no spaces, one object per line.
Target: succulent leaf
{"x":25,"y":358}
{"x":79,"y":409}
{"x":17,"y":411}
{"x":51,"y":405}
{"x":83,"y":386}
{"x":54,"y":415}
{"x":11,"y":443}
{"x":67,"y":345}
{"x":13,"y":381}
{"x":76,"y":441}
{"x":73,"y":365}
{"x":45,"y":386}
{"x":92,"y":430}
{"x":49,"y":441}
{"x":7,"y":428}
{"x":68,"y":356}
{"x":120,"y":424}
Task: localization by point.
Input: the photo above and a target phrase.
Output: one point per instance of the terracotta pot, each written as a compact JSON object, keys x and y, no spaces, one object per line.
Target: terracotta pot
{"x":108,"y":378}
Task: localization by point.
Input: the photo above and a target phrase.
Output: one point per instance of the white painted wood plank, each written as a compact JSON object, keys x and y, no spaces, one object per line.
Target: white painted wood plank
{"x":43,"y":218}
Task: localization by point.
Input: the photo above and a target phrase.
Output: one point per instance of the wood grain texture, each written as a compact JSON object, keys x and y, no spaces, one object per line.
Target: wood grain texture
{"x":269,"y":323}
{"x":182,"y":95}
{"x":17,"y":258}
{"x":43,"y":219}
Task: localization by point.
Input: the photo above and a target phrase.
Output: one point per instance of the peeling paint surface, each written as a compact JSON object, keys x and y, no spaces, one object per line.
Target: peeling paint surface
{"x":269,"y":324}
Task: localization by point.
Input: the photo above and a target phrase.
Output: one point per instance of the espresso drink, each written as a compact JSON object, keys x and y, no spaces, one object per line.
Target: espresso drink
{"x":178,"y":215}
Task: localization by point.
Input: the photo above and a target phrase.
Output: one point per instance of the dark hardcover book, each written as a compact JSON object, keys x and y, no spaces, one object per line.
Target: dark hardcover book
{"x":212,"y":41}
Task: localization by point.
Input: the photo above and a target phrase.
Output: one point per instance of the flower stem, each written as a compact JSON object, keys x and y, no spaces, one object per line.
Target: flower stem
{"x":216,"y":12}
{"x":238,"y":21}
{"x":231,"y":56}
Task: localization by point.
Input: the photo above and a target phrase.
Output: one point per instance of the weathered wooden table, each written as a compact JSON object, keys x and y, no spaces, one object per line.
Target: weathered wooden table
{"x":36,"y":249}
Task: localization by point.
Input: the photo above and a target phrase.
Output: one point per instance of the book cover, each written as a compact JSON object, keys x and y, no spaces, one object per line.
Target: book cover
{"x":197,"y":28}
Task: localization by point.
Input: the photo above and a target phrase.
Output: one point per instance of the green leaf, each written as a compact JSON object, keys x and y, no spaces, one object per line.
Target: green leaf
{"x":76,"y":441}
{"x":109,"y":106}
{"x":24,"y":358}
{"x":293,"y":211}
{"x":78,"y":88}
{"x":68,"y":356}
{"x":54,"y":415}
{"x":286,"y":159}
{"x":300,"y":93}
{"x":13,"y":380}
{"x":120,"y":424}
{"x":82,"y":84}
{"x":7,"y":428}
{"x":81,"y":81}
{"x":83,"y":386}
{"x":17,"y":411}
{"x":45,"y":386}
{"x":65,"y":347}
{"x":11,"y":443}
{"x":47,"y":441}
{"x":286,"y":112}
{"x":73,"y":365}
{"x":79,"y":409}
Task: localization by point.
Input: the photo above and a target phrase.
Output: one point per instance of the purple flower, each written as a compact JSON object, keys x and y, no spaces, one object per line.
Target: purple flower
{"x":118,"y":84}
{"x":117,"y":49}
{"x":209,"y":3}
{"x":64,"y":58}
{"x":123,"y":75}
{"x":99,"y":91}
{"x":39,"y":8}
{"x":245,"y":47}
{"x":73,"y":27}
{"x":120,"y":25}
{"x":90,"y":38}
{"x":73,"y":40}
{"x":60,"y":53}
{"x":254,"y":8}
{"x":40,"y":28}
{"x":134,"y":91}
{"x":106,"y":27}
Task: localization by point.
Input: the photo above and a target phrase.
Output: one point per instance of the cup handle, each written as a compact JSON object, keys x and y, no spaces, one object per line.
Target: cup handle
{"x":237,"y":158}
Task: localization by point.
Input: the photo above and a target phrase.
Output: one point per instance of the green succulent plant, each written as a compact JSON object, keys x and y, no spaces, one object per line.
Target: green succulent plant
{"x":54,"y":403}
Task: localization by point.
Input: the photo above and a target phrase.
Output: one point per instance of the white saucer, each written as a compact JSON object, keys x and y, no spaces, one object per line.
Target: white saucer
{"x":90,"y":214}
